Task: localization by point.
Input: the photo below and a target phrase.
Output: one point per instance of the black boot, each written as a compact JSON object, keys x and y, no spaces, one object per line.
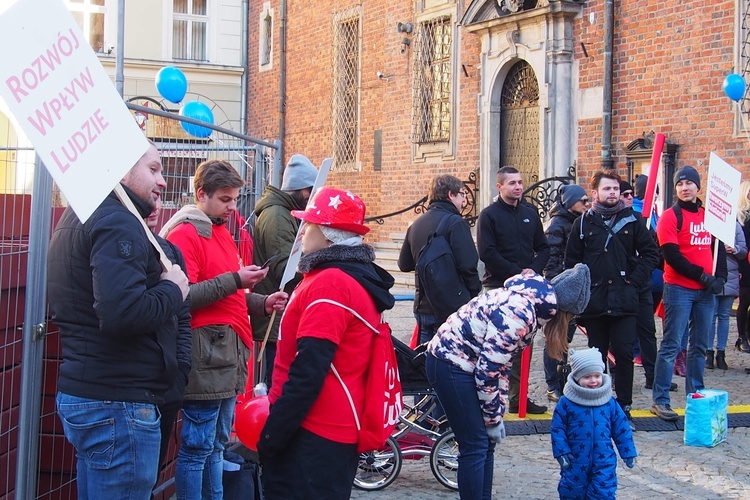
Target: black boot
{"x":742,"y":344}
{"x":721,"y":362}
{"x":710,"y":359}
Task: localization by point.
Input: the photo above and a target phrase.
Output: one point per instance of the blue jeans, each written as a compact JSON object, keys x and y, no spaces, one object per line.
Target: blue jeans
{"x":428,"y":325}
{"x":720,"y":328}
{"x":683,"y":305}
{"x":200,"y":462}
{"x":117,"y":446}
{"x":457,"y":391}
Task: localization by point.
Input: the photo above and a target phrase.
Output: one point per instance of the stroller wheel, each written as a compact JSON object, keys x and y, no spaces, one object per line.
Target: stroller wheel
{"x":379,"y":468}
{"x":444,"y":460}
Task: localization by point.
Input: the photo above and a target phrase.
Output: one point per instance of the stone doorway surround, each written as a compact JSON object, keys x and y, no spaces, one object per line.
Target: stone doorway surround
{"x":539,"y":32}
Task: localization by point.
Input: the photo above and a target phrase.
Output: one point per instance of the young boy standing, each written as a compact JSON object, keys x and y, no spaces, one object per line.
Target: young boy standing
{"x":586,"y":421}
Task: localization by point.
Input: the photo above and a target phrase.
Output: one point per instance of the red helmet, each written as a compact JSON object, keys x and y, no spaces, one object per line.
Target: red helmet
{"x":335,"y":208}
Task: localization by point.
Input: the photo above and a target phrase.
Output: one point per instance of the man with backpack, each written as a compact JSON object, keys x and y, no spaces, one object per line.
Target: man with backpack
{"x":443,"y":216}
{"x":690,"y":284}
{"x":511,"y":241}
{"x":613,"y":241}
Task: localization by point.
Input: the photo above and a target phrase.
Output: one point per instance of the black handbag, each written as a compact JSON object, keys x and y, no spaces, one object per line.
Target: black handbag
{"x":243,"y":484}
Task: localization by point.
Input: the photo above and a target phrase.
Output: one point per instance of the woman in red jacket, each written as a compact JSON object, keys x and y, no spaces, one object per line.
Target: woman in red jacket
{"x":308,"y":446}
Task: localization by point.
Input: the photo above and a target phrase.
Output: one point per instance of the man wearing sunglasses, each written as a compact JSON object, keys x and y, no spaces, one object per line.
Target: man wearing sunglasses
{"x":626,"y":193}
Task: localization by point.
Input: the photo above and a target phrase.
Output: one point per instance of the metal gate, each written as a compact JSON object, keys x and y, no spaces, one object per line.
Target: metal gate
{"x":519,"y":122}
{"x":35,"y":459}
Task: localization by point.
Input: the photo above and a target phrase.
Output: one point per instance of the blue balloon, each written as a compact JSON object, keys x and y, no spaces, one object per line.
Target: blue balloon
{"x":171,"y":84}
{"x":197,"y":111}
{"x":734,"y":86}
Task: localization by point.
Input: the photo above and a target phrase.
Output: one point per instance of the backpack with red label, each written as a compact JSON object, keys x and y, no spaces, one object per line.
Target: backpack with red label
{"x":383,"y":395}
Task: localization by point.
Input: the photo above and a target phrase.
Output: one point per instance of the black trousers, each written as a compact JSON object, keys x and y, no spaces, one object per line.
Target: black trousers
{"x":616,"y":335}
{"x":742,"y":311}
{"x":310,"y":467}
{"x":646,"y":332}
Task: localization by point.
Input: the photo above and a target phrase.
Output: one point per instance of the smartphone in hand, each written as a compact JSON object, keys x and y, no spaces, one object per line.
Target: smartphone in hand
{"x":268,"y":262}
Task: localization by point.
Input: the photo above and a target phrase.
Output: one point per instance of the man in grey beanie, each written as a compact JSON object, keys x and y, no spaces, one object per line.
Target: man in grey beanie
{"x":274,"y":235}
{"x":573,"y":202}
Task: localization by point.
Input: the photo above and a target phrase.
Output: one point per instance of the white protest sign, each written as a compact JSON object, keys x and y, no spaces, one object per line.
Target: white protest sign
{"x":722,"y":199}
{"x":291,"y":265}
{"x":62,"y":98}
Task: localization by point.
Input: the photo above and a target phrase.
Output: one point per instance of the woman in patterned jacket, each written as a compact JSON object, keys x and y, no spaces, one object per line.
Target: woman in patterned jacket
{"x":469,"y":360}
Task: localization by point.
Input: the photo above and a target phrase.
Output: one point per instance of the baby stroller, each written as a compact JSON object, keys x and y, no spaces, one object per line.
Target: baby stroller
{"x":417,"y":434}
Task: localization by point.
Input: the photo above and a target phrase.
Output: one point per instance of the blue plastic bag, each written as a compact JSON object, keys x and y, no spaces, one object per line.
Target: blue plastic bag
{"x":706,"y":418}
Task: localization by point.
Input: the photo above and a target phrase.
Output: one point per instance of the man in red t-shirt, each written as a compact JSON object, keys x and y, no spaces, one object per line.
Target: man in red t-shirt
{"x":690,"y":285}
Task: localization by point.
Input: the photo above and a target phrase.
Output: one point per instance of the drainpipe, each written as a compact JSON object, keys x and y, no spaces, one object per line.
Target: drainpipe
{"x":245,"y":70}
{"x":120,"y":59}
{"x":609,"y":28}
{"x":276,"y":181}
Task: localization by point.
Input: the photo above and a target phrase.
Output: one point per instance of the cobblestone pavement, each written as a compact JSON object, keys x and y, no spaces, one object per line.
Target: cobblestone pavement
{"x":524,"y":467}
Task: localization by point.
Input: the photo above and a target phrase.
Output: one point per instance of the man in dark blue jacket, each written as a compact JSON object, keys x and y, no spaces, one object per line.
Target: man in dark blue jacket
{"x":613,"y":241}
{"x":116,"y":311}
{"x":446,"y":198}
{"x":511,"y":241}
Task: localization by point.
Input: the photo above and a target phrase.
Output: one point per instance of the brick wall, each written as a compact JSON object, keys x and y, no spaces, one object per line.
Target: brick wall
{"x":670,"y":60}
{"x":385,"y":104}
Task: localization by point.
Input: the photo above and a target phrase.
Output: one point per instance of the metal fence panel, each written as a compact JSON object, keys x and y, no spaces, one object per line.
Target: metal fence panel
{"x":35,"y":459}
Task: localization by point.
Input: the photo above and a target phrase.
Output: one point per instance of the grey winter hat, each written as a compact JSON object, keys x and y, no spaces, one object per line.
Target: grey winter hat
{"x":573,"y":289}
{"x":571,"y":194}
{"x":299,"y":173}
{"x":687,"y":173}
{"x":585,"y":361}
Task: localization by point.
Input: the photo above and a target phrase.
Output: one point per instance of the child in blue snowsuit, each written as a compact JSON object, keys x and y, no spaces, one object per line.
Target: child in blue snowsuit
{"x":586,"y":421}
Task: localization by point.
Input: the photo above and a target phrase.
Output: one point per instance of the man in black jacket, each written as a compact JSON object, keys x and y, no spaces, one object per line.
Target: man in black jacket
{"x":173,"y":397}
{"x":446,"y":199}
{"x":612,"y":240}
{"x":511,"y":241}
{"x":116,"y":311}
{"x":573,"y":202}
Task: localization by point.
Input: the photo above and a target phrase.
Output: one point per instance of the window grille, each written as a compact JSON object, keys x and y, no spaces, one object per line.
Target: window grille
{"x":432,"y":81}
{"x":346,"y":94}
{"x":89,"y":14}
{"x":266,"y":34}
{"x":744,"y":12}
{"x":189,"y":29}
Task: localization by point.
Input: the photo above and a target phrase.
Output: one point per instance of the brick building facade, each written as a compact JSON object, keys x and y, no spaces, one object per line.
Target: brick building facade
{"x":398,"y":91}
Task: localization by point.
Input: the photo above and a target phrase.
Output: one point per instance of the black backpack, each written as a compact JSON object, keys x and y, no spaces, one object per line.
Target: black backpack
{"x":439,"y":280}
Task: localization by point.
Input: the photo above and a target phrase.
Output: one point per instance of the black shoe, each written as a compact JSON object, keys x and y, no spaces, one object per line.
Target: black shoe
{"x":742,"y":345}
{"x":650,"y":385}
{"x":531,"y":408}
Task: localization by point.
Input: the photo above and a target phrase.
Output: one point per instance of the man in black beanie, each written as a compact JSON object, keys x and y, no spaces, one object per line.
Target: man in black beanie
{"x":690,"y":284}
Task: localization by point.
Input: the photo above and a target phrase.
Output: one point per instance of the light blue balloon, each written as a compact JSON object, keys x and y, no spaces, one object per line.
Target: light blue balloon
{"x":171,"y":84}
{"x":734,"y":86}
{"x":197,"y":111}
